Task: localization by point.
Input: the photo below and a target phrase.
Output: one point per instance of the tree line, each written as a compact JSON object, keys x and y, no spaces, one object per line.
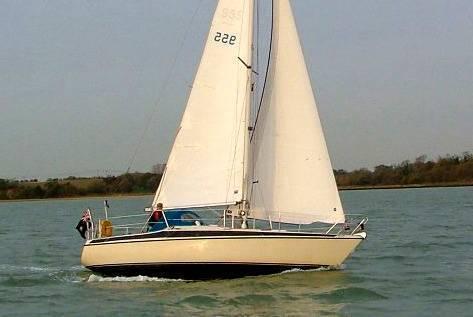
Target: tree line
{"x":74,"y":187}
{"x":447,"y":170}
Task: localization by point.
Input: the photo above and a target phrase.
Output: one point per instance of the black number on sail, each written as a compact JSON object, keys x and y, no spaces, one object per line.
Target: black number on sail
{"x":225,"y":38}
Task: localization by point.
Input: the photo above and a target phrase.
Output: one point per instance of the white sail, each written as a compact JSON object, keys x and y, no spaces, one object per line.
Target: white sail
{"x":206,"y":163}
{"x":293,"y":177}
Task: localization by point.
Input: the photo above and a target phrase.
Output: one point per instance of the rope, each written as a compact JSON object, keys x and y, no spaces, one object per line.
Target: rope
{"x":163,"y":88}
{"x":267,"y":71}
{"x":263,"y":90}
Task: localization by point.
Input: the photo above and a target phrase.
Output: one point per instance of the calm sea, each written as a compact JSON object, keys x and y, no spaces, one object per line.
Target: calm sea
{"x":417,"y":261}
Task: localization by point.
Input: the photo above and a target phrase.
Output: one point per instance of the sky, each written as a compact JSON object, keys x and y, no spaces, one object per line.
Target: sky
{"x":81,"y":80}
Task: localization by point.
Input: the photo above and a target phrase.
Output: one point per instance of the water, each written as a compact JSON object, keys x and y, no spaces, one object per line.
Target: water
{"x":417,"y":261}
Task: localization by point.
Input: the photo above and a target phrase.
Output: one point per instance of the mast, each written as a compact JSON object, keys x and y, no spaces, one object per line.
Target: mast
{"x":247,"y":164}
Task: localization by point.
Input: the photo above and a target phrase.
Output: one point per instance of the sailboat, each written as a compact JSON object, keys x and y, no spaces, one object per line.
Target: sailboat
{"x":248,"y":188}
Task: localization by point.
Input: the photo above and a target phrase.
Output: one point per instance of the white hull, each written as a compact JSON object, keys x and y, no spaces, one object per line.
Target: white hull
{"x":176,"y":252}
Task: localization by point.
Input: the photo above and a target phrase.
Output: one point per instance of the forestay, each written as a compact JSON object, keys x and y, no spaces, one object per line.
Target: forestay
{"x":293,"y":177}
{"x":206,"y":163}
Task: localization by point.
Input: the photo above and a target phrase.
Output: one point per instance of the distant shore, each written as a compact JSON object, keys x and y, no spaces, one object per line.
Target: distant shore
{"x":131,"y":184}
{"x":340,"y":188}
{"x":115,"y":196}
{"x":447,"y":171}
{"x":370,"y":187}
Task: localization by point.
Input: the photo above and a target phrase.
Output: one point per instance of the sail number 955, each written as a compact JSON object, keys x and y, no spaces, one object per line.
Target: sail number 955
{"x":225,"y":38}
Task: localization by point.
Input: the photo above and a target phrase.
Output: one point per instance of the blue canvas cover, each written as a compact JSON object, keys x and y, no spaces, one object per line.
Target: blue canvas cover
{"x":177,"y":217}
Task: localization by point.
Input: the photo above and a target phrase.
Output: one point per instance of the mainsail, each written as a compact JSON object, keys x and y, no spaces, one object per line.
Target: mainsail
{"x":293,"y":179}
{"x":206,"y":165}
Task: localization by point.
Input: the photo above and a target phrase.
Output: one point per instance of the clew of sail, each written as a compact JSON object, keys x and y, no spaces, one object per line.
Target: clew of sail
{"x":206,"y":165}
{"x":293,"y":177}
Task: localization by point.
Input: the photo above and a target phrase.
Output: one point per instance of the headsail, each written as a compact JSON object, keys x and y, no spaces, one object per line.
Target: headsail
{"x":293,"y":177}
{"x":206,"y":164}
